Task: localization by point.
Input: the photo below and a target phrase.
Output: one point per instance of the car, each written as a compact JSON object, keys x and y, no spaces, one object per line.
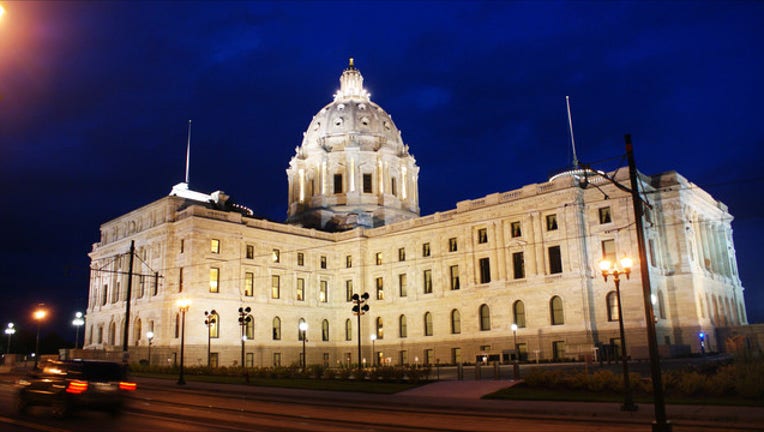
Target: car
{"x":71,"y":385}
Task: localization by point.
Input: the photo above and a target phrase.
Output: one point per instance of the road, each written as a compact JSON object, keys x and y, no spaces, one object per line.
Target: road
{"x":162,"y":406}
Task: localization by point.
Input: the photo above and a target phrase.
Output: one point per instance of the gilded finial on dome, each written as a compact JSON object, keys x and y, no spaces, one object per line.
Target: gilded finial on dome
{"x":351,"y":65}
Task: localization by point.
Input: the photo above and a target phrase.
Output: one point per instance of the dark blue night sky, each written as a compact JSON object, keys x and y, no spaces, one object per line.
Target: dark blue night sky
{"x":95,"y":98}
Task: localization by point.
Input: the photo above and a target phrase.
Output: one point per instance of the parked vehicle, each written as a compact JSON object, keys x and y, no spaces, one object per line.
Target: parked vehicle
{"x":71,"y":385}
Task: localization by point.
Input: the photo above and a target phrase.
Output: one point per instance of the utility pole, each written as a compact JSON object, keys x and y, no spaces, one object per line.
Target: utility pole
{"x":125,"y":341}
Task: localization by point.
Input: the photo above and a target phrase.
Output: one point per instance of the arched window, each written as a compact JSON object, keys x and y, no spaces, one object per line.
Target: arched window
{"x":299,"y":332}
{"x":250,"y":329}
{"x":380,"y":328}
{"x":427,"y":324}
{"x":612,"y":306}
{"x":214,"y":325}
{"x":276,"y":328}
{"x":325,"y":330}
{"x":348,"y":330}
{"x":456,"y":322}
{"x":485,"y":318}
{"x":518,"y":313}
{"x":402,"y":327}
{"x":555,"y":309}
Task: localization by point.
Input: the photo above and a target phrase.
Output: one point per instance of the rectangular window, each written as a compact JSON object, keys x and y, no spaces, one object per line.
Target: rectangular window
{"x":349,"y":290}
{"x":516,"y":229}
{"x":250,"y":252}
{"x":402,"y":282}
{"x":394,"y":186}
{"x":428,"y":281}
{"x":401,"y":254}
{"x":483,"y":235}
{"x":558,"y":350}
{"x":249,"y":284}
{"x":276,"y":255}
{"x":338,"y":183}
{"x":426,"y":250}
{"x":323,"y":293}
{"x":300,"y":289}
{"x":277,"y":359}
{"x":275,"y":287}
{"x":378,"y":258}
{"x":182,"y":245}
{"x":349,"y":261}
{"x":454,"y":271}
{"x":214,"y":279}
{"x":403,"y":357}
{"x":214,"y":359}
{"x":456,"y":355}
{"x":380,"y":289}
{"x":605,"y":216}
{"x":300,"y":259}
{"x":215,"y":246}
{"x":180,"y":280}
{"x":428,"y":357}
{"x":452,"y":245}
{"x":323,"y":261}
{"x":485,"y":270}
{"x":551,"y":222}
{"x":367,"y":183}
{"x":555,"y":260}
{"x":249,"y":360}
{"x":651,"y":249}
{"x":608,"y":250}
{"x":518,"y":265}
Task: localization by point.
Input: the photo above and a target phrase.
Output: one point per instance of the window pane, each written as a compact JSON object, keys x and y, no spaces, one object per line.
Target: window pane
{"x":555,"y":260}
{"x":518,"y":265}
{"x":214,"y":279}
{"x":485,"y":270}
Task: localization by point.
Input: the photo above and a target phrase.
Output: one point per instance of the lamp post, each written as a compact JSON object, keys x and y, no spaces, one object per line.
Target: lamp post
{"x":373,"y":353}
{"x":515,"y":365}
{"x":359,"y":309}
{"x":10,"y":331}
{"x":77,"y":322}
{"x":209,"y":320}
{"x":150,"y":337}
{"x":244,"y":319}
{"x":38,"y":316}
{"x":183,"y":305}
{"x":303,"y":330}
{"x":609,"y":269}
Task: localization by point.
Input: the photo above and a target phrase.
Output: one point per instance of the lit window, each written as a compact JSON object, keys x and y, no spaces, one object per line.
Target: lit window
{"x":518,"y":312}
{"x":605,"y":215}
{"x":276,"y":328}
{"x":454,"y":272}
{"x":402,"y":282}
{"x":300,"y":259}
{"x":380,"y":289}
{"x":349,"y":290}
{"x":325,"y":330}
{"x":275,"y":287}
{"x":349,"y":261}
{"x":300,"y":289}
{"x":250,"y":252}
{"x":426,"y":250}
{"x":249,"y":329}
{"x":516,"y":229}
{"x":428,"y":281}
{"x":249,"y":284}
{"x":402,"y":327}
{"x":427,"y":324}
{"x":276,"y":255}
{"x":380,"y":328}
{"x":323,"y":293}
{"x":215,"y":246}
{"x":214,"y":279}
{"x":348,"y":330}
{"x":551,"y":222}
{"x":378,"y":258}
{"x":608,"y":250}
{"x":452,"y":245}
{"x":612,"y":306}
{"x":401,"y":254}
{"x":483,"y":235}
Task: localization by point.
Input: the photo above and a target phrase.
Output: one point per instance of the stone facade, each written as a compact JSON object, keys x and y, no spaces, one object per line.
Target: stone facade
{"x":443,"y":288}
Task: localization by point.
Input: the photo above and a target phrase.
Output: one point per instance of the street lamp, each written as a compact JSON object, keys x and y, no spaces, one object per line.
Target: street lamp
{"x":610,"y":269}
{"x":244,"y":319}
{"x":150,"y":337}
{"x":516,"y":365}
{"x":77,"y":322}
{"x":38,"y":316}
{"x":10,"y":330}
{"x":210,"y":318}
{"x":373,"y":353}
{"x":183,"y":305}
{"x":303,"y":330}
{"x":359,"y":309}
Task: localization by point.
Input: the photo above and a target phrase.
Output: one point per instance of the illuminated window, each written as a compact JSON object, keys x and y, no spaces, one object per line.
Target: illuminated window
{"x":249,"y":284}
{"x":348,"y":330}
{"x":378,"y":258}
{"x":215,"y":246}
{"x":551,"y":222}
{"x":612,"y":306}
{"x":518,"y":313}
{"x":276,"y":328}
{"x":300,"y":289}
{"x":485,"y":318}
{"x":452,"y":245}
{"x":402,"y":327}
{"x":380,"y":289}
{"x":250,"y":252}
{"x":485,"y":270}
{"x":515,"y":229}
{"x":605,"y":215}
{"x":275,"y":287}
{"x":380,"y":324}
{"x":323,"y":293}
{"x":401,"y":254}
{"x":426,"y":250}
{"x":427,"y":324}
{"x":349,"y":261}
{"x":402,"y":282}
{"x":349,"y":290}
{"x":556,"y":311}
{"x":300,"y":259}
{"x":608,"y":250}
{"x":214,"y":279}
{"x":428,"y":281}
{"x":483,"y":235}
{"x":454,"y":273}
{"x":249,"y":329}
{"x":325,"y":330}
{"x":456,"y":322}
{"x":276,"y":255}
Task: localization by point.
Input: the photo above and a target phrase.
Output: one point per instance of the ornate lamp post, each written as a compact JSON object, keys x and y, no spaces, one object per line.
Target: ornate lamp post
{"x":209,"y":320}
{"x":244,"y":319}
{"x":359,"y":309}
{"x":609,"y":269}
{"x":303,"y":330}
{"x":516,"y":365}
{"x":373,"y":353}
{"x":150,"y":337}
{"x":38,"y":316}
{"x":183,"y":305}
{"x":77,"y":322}
{"x":10,"y":331}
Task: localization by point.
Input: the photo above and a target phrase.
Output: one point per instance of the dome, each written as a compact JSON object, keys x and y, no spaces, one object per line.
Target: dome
{"x":352,"y":168}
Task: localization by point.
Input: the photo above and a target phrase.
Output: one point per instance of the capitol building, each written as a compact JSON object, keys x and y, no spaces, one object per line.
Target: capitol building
{"x":442,"y":288}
